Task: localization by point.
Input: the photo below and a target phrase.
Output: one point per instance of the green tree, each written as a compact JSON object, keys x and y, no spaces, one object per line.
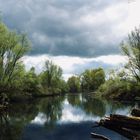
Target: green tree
{"x":74,"y":84}
{"x":51,"y":77}
{"x":18,"y":80}
{"x":63,"y":86}
{"x":131,"y":48}
{"x":86,"y":80}
{"x":31,"y":81}
{"x":12,"y":49}
{"x":92,"y":79}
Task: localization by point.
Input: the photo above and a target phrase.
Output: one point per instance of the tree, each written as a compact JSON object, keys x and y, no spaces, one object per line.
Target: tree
{"x":63,"y":86}
{"x":52,"y":76}
{"x":86,"y":80}
{"x":92,"y":79}
{"x":12,"y":49}
{"x":31,"y":81}
{"x":131,"y":48}
{"x":18,"y":83}
{"x":74,"y":84}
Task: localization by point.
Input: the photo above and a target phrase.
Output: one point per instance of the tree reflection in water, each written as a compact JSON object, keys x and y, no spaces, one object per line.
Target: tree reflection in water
{"x":52,"y":108}
{"x":74,"y":100}
{"x":14,"y":121}
{"x":95,"y":106}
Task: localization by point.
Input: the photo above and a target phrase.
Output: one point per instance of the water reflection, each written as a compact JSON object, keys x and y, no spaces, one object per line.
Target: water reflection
{"x":55,"y":117}
{"x":52,"y":108}
{"x":95,"y":107}
{"x":76,"y":114}
{"x":74,"y":100}
{"x":6,"y":129}
{"x":13,"y":121}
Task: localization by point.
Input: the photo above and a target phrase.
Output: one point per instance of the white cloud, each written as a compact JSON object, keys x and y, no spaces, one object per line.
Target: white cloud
{"x":134,"y":14}
{"x":112,"y":59}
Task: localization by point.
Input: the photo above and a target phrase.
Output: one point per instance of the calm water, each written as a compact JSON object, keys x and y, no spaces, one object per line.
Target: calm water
{"x":59,"y":118}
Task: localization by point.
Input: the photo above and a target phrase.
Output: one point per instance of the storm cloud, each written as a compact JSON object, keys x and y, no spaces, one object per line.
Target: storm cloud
{"x":83,"y":28}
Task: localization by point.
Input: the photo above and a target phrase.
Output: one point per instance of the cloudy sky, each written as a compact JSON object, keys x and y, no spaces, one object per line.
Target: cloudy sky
{"x":77,"y":34}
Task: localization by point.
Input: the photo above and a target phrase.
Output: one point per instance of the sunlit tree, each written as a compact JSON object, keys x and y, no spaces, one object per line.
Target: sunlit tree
{"x":92,"y":79}
{"x":31,"y":81}
{"x":52,"y":76}
{"x":12,"y":49}
{"x":131,"y":48}
{"x":74,"y":84}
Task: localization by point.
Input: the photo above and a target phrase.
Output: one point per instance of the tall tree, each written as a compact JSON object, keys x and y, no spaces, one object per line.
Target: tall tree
{"x":12,"y":49}
{"x":31,"y":81}
{"x":131,"y":48}
{"x":52,"y":75}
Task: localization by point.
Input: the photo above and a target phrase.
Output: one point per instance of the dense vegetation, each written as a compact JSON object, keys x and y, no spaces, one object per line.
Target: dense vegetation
{"x":88,"y":81}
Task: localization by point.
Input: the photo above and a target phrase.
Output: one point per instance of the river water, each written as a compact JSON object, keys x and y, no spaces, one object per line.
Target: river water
{"x":69,"y":117}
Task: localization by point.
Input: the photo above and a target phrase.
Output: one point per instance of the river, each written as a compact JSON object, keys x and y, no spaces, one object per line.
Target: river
{"x":69,"y":117}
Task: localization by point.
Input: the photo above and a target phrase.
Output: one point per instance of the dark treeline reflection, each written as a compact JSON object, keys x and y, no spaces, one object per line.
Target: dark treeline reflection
{"x":52,"y":109}
{"x":19,"y":115}
{"x":14,"y":120}
{"x":96,"y":107}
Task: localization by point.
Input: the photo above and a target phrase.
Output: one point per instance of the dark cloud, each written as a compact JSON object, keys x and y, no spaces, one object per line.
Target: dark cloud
{"x":65,"y":27}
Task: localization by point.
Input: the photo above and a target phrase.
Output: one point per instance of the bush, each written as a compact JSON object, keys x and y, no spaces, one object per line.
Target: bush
{"x":119,"y":89}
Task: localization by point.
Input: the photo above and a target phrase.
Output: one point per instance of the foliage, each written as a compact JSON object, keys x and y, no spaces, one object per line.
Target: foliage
{"x":31,"y":81}
{"x":118,"y":86}
{"x":15,"y":81}
{"x":92,"y":79}
{"x":63,"y":86}
{"x":12,"y":49}
{"x":131,"y":48}
{"x":51,"y":78}
{"x":125,"y":85}
{"x":74,"y":84}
